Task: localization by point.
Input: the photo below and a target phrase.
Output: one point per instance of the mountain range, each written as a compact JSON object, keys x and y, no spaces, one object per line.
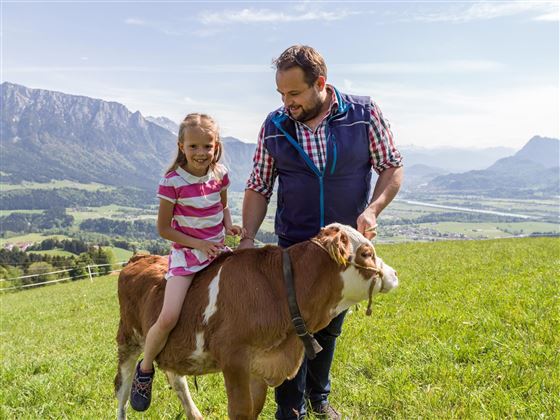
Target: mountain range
{"x":48,"y":135}
{"x":532,"y":171}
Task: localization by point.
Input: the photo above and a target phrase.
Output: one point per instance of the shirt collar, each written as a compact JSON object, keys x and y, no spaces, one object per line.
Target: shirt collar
{"x":334,"y":99}
{"x":193,"y":179}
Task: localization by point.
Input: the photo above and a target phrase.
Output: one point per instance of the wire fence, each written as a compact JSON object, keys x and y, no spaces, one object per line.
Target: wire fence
{"x":90,"y":274}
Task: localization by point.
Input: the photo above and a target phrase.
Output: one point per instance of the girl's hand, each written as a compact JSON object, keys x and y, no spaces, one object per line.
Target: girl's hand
{"x":235,"y":230}
{"x":211,"y":249}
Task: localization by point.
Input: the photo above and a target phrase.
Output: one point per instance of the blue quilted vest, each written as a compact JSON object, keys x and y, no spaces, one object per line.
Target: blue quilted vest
{"x":308,"y":198}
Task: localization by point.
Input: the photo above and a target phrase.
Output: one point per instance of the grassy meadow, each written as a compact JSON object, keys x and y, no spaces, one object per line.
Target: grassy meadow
{"x":54,"y":185}
{"x":472,"y":332}
{"x":30,"y":237}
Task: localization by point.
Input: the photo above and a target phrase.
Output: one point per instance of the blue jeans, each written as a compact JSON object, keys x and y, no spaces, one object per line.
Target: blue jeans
{"x":313,"y":379}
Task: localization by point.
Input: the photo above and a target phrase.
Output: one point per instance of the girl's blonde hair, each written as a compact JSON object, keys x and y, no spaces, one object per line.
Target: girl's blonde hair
{"x":204,"y":122}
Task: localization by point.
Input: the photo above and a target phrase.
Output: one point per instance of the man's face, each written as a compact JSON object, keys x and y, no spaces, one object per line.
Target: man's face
{"x":302,"y":101}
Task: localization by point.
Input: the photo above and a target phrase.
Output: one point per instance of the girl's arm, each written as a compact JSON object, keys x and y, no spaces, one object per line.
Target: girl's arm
{"x":231,"y":229}
{"x":165,"y":214}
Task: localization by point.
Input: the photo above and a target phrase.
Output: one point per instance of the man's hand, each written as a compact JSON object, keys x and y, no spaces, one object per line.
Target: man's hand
{"x":246,"y":243}
{"x":367,"y":224}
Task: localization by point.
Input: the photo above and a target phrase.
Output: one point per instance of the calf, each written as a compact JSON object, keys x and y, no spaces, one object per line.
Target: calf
{"x":235,"y":317}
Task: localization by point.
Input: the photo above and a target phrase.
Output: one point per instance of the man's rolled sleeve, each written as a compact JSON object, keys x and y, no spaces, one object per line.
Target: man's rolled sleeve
{"x":264,"y":172}
{"x":384,"y":153}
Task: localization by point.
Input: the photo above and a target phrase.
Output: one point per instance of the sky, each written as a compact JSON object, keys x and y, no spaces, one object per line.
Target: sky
{"x":463,"y":74}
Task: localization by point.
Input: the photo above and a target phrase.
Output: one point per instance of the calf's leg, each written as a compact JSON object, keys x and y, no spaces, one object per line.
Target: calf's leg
{"x":179,"y":384}
{"x":128,"y":355}
{"x":238,"y":386}
{"x":258,"y":393}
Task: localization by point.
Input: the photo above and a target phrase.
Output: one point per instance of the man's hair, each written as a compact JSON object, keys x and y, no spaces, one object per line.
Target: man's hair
{"x":304,"y":57}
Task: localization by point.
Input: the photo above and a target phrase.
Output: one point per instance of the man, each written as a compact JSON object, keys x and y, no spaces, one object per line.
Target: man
{"x":321,"y":145}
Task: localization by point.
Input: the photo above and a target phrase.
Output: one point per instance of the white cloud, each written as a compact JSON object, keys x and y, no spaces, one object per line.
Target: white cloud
{"x":135,"y":21}
{"x":491,"y":10}
{"x":245,"y":16}
{"x":200,"y":69}
{"x":549,"y":17}
{"x":465,"y":117}
{"x":417,"y":67}
{"x":163,"y":27}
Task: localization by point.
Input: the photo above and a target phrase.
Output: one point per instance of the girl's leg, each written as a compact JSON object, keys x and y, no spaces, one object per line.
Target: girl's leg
{"x":175,"y":291}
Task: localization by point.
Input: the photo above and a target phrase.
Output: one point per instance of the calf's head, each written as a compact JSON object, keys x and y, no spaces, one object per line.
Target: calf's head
{"x":364,"y":272}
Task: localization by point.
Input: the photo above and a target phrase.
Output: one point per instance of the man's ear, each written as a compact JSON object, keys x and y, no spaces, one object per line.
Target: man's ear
{"x":320,"y":83}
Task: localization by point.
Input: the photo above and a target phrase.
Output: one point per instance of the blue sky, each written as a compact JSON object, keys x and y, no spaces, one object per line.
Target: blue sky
{"x":472,"y":74}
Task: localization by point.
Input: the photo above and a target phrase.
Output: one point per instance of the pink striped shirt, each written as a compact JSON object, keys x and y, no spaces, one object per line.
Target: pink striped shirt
{"x":198,"y":212}
{"x":383,"y":152}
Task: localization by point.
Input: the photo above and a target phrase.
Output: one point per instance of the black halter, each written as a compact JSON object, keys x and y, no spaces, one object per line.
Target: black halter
{"x":311,"y":345}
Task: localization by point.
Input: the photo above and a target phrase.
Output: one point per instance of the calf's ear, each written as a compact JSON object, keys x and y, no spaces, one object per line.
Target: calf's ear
{"x":337,"y":243}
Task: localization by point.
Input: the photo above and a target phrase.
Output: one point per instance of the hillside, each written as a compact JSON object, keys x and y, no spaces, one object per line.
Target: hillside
{"x":453,"y":159}
{"x":50,"y":135}
{"x":532,"y":171}
{"x":470,"y":333}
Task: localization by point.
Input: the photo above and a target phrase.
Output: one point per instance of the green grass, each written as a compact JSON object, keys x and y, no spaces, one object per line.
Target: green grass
{"x":54,"y":184}
{"x":59,"y":252}
{"x":493,"y":230}
{"x":120,"y":253}
{"x":472,"y":332}
{"x":30,"y":237}
{"x":111,"y":211}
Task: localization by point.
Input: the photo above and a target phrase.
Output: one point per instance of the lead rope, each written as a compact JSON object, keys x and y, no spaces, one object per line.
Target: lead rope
{"x":370,"y":298}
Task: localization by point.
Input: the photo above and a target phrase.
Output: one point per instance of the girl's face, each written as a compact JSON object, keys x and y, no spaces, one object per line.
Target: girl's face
{"x":199,"y":147}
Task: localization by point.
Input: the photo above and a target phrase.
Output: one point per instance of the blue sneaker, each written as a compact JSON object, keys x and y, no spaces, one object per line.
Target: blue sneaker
{"x":141,"y":391}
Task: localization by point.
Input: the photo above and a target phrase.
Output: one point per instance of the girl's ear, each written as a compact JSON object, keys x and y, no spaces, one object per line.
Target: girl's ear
{"x":217,"y":152}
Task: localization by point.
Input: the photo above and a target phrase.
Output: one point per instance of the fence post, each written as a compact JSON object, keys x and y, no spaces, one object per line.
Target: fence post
{"x":89,"y":271}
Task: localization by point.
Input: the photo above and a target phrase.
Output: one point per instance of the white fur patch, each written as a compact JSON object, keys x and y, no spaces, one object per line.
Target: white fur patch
{"x":390,"y":279}
{"x":198,"y":354}
{"x":139,"y":339}
{"x":355,"y":237}
{"x":355,"y":288}
{"x":213,"y":290}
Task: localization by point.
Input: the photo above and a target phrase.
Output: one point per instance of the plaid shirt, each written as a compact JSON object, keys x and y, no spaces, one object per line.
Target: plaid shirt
{"x":383,"y":153}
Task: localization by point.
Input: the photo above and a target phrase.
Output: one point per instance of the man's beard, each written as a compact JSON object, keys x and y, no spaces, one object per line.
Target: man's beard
{"x":309,"y":114}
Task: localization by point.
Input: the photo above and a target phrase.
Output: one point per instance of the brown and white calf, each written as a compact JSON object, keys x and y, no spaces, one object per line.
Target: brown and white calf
{"x":235,"y":317}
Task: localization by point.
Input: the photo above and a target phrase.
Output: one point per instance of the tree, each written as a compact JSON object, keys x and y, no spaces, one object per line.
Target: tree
{"x":80,"y":269}
{"x":40,"y":270}
{"x":104,"y":256}
{"x":10,"y":272}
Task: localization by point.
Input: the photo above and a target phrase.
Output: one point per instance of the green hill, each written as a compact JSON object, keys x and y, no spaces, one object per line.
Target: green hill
{"x":472,"y":332}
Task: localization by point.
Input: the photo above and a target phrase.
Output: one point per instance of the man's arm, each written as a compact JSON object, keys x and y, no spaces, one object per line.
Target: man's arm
{"x":386,"y":160}
{"x":386,"y":188}
{"x":257,"y":193}
{"x":254,"y":212}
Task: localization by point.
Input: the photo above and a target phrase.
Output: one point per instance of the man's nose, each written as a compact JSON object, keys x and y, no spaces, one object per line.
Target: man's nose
{"x":287,"y":101}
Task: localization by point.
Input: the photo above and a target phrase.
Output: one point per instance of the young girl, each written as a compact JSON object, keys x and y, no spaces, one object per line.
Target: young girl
{"x":193,"y":213}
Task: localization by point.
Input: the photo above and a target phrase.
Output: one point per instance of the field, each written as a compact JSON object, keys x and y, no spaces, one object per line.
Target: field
{"x":58,"y":252}
{"x":111,"y":212}
{"x":472,"y":332}
{"x":30,"y":237}
{"x":53,"y":185}
{"x":120,"y":253}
